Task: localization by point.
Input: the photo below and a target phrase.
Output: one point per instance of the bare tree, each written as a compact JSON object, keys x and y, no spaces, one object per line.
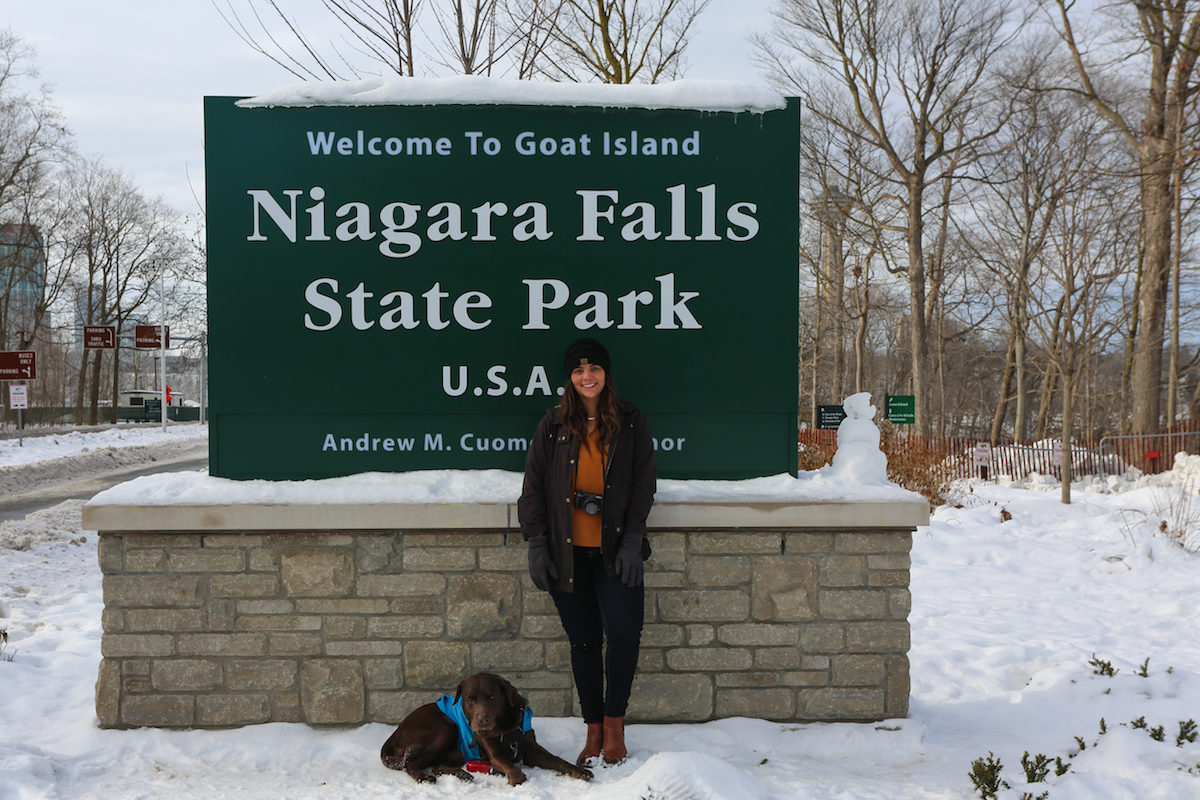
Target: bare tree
{"x":33,"y":139}
{"x":1164,"y":37}
{"x":914,"y":73}
{"x":621,"y":41}
{"x":379,"y":32}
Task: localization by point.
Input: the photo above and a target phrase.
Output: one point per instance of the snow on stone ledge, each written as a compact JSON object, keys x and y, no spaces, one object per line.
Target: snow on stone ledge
{"x":472,"y":486}
{"x":697,"y":95}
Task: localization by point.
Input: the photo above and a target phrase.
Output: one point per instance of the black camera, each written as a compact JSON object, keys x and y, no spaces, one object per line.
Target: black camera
{"x":590,"y":503}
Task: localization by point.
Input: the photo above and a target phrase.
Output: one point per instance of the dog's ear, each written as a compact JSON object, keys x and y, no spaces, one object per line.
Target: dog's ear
{"x":515,"y":700}
{"x":458,"y":690}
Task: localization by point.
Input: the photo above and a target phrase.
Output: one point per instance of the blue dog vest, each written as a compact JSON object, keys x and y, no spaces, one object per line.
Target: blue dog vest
{"x":452,"y":708}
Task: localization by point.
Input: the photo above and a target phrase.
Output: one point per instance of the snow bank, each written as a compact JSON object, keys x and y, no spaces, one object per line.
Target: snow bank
{"x":699,"y":95}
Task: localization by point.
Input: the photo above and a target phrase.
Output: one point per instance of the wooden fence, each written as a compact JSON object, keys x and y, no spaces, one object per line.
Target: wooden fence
{"x":941,"y":459}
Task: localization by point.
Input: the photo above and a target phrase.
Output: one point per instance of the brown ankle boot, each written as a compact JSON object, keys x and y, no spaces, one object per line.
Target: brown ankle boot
{"x":614,"y":740}
{"x":593,"y":745}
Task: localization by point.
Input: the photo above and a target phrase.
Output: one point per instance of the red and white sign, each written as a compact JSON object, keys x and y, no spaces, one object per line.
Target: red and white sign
{"x":100,"y":337}
{"x":18,"y":396}
{"x":147,"y":336}
{"x":983,"y":454}
{"x":1058,"y":450}
{"x":18,"y":365}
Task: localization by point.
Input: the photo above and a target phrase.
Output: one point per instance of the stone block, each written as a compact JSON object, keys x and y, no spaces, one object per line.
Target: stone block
{"x":243,"y":540}
{"x":293,"y":644}
{"x":222,"y":644}
{"x":658,"y":635}
{"x":505,"y":657}
{"x":140,"y":591}
{"x":872,"y":542}
{"x":776,"y":703}
{"x":264,"y":675}
{"x":805,"y":678}
{"x":206,"y":560}
{"x":852,"y":604}
{"x":435,"y":665}
{"x":747,"y":679}
{"x":405,"y":627}
{"x":439,"y":559}
{"x":112,"y":620}
{"x":899,"y":603}
{"x":877,"y":637}
{"x":343,"y":606}
{"x":898,"y":685}
{"x":265,"y":607}
{"x":379,"y":554}
{"x":885,"y":579}
{"x":833,"y":703}
{"x":126,"y":645}
{"x":718,"y":570}
{"x":221,"y":710}
{"x":669,"y":552}
{"x":317,"y":571}
{"x":383,"y":673}
{"x":221,"y":613}
{"x":777,"y":658}
{"x":262,"y":559}
{"x":153,"y":559}
{"x":108,"y":693}
{"x":165,"y":620}
{"x":857,"y":670}
{"x":890,"y":562}
{"x":393,"y":706}
{"x":784,"y":588}
{"x":703,"y":606}
{"x":418,"y":605}
{"x":683,"y":698}
{"x":822,"y":637}
{"x":469,"y":541}
{"x":110,"y":553}
{"x":805,"y":542}
{"x":345,"y":628}
{"x":700,"y":635}
{"x":737,"y":542}
{"x":543,"y":626}
{"x":158,"y":711}
{"x":185,"y":675}
{"x":332,"y":692}
{"x":511,"y":558}
{"x":710,"y":659}
{"x":419,"y":584}
{"x":244,"y":586}
{"x":758,"y":634}
{"x":277,"y":622}
{"x":841,"y":571}
{"x":286,"y":708}
{"x":377,"y":647}
{"x":483,"y":606}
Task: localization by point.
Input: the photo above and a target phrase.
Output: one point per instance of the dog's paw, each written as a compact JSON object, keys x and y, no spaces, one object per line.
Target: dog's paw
{"x":516,"y":777}
{"x":580,"y":773}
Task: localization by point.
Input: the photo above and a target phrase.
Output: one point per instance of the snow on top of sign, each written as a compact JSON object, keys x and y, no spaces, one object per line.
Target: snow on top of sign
{"x":473,"y":486}
{"x":698,"y":95}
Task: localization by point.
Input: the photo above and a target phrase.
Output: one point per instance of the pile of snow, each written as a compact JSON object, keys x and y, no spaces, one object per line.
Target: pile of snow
{"x":62,"y":457}
{"x":1018,"y":602}
{"x":700,"y":95}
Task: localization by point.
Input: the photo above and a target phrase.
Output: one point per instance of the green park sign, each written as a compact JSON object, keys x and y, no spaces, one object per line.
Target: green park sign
{"x":391,"y":287}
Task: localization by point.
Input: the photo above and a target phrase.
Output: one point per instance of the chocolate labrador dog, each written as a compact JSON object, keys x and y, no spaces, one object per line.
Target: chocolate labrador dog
{"x":486,"y":720}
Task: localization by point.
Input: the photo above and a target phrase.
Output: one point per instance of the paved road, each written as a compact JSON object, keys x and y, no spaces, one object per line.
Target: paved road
{"x":21,"y":505}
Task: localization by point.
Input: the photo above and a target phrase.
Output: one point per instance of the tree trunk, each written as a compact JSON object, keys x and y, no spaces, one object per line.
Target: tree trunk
{"x":80,"y":386}
{"x":94,"y":391}
{"x":1005,"y":387}
{"x":1068,"y":423}
{"x":1146,"y":375}
{"x":916,"y":300}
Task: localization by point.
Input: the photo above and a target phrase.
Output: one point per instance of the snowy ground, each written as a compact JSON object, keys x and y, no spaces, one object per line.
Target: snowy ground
{"x":1011,"y":621}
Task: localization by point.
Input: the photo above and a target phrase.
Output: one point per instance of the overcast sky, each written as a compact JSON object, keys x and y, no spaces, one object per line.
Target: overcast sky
{"x":130,"y":75}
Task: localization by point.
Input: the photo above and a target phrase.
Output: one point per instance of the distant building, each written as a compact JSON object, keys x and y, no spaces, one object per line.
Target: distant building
{"x":22,"y":282}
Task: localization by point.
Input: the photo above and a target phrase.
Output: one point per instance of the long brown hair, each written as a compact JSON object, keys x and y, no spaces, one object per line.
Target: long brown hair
{"x":608,"y":412}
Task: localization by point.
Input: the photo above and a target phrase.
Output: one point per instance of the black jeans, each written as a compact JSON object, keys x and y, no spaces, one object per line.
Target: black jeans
{"x":601,"y":607}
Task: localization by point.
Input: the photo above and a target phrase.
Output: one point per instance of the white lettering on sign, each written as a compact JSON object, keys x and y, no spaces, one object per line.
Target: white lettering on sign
{"x":404,"y":228}
{"x":666,"y":309}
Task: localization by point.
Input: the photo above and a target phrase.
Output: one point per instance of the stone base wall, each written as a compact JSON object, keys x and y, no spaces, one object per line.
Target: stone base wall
{"x":224,"y":629}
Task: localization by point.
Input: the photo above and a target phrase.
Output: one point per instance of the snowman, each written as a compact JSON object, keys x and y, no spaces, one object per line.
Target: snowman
{"x":858,"y":456}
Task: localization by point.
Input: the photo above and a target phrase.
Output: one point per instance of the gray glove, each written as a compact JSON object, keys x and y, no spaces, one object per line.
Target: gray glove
{"x":541,"y":564}
{"x":630,"y":568}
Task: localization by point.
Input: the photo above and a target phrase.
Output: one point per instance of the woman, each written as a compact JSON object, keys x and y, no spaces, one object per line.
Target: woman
{"x":589,"y":484}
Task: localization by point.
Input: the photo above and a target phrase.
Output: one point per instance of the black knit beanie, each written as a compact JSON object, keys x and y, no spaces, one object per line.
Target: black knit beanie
{"x":590,"y":349}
